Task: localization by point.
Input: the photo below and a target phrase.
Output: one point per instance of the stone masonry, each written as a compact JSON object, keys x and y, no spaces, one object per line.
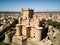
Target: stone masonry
{"x":28,"y":27}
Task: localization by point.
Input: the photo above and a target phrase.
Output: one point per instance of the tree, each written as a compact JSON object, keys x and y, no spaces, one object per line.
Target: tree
{"x":53,"y":23}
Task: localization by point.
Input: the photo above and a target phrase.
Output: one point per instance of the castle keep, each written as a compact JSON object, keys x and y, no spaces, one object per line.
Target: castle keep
{"x":28,"y":27}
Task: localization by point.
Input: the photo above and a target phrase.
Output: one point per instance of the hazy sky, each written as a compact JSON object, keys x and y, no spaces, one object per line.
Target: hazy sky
{"x":38,"y":5}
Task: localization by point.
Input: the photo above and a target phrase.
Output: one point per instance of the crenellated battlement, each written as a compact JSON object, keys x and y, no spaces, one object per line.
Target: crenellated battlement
{"x":27,"y":9}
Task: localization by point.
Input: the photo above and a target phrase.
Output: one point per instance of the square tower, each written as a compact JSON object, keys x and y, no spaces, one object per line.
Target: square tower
{"x":27,"y":12}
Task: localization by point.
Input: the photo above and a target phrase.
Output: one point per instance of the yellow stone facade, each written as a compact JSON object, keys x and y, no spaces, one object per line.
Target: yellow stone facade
{"x":28,"y":26}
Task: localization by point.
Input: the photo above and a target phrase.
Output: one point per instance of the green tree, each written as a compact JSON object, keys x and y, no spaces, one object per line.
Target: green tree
{"x":53,"y":23}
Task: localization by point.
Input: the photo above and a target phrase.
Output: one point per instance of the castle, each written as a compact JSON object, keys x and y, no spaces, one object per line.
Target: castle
{"x":28,"y":27}
{"x":29,"y":30}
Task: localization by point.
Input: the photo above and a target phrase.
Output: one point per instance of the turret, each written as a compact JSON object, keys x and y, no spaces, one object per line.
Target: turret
{"x":18,"y":29}
{"x":27,"y":13}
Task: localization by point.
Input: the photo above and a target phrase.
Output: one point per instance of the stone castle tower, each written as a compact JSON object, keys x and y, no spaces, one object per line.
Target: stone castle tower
{"x":28,"y":27}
